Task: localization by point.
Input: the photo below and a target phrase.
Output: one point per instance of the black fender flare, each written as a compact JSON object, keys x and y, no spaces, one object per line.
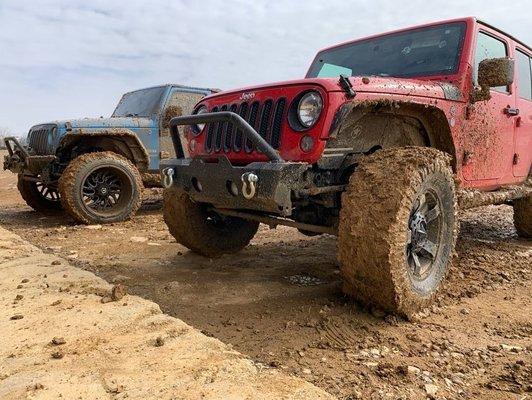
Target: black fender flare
{"x":121,"y":140}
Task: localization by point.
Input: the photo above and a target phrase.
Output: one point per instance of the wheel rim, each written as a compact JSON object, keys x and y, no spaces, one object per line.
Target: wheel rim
{"x":47,"y":192}
{"x":424,"y":235}
{"x":106,"y":190}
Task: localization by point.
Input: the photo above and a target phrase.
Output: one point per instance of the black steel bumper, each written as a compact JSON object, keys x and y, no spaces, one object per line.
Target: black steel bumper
{"x":19,"y":160}
{"x":226,"y":186}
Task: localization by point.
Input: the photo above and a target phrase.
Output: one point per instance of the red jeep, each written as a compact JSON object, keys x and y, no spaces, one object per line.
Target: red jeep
{"x":381,"y":144}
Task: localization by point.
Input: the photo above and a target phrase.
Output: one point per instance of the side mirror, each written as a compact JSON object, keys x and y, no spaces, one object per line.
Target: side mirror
{"x":494,"y":72}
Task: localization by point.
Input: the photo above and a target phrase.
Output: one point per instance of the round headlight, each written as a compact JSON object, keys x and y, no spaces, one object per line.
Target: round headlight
{"x":309,"y":109}
{"x":199,"y":127}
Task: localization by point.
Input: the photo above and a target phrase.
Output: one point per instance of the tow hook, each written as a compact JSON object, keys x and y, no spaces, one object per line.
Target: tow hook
{"x":249,"y":181}
{"x":168,"y":177}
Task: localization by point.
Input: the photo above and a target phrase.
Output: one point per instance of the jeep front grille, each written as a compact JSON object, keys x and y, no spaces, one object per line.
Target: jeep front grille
{"x":266,"y":117}
{"x":38,"y":140}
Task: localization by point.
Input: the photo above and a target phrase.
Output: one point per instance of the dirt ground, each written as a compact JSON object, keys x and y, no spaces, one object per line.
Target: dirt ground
{"x":279,"y":302}
{"x":67,"y":334}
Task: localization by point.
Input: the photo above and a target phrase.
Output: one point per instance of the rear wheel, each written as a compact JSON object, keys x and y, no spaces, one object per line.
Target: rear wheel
{"x":523,"y":216}
{"x":204,"y":231}
{"x":38,"y":196}
{"x":100,"y":187}
{"x":398,"y":228}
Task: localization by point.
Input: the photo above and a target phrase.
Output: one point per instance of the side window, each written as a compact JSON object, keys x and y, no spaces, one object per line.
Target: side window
{"x":524,"y":83}
{"x":489,"y":47}
{"x":185,"y":100}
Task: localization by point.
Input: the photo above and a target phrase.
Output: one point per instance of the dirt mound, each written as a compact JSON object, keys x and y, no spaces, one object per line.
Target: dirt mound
{"x":68,"y":334}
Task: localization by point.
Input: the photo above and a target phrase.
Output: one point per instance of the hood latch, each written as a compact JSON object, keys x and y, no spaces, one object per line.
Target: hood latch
{"x":346,"y":85}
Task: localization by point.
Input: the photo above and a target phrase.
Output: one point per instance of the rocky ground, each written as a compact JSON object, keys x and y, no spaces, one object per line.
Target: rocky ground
{"x":279,"y":302}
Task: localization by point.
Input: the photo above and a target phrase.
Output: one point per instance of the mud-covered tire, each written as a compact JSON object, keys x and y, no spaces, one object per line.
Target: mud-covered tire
{"x":81,"y":172}
{"x":375,"y":231}
{"x":205,"y":233}
{"x":523,"y":216}
{"x":38,"y":197}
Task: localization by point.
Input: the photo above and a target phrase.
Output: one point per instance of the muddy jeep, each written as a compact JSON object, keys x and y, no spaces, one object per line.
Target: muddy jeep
{"x":95,"y":168}
{"x":381,"y":144}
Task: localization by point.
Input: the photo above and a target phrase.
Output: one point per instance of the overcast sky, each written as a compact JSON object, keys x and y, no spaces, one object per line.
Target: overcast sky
{"x":74,"y":58}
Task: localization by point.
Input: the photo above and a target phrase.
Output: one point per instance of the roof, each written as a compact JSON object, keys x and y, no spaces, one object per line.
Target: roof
{"x":207,"y":90}
{"x":464,"y":19}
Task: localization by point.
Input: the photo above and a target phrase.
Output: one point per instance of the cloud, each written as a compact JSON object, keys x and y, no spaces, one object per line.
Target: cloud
{"x":73,"y":58}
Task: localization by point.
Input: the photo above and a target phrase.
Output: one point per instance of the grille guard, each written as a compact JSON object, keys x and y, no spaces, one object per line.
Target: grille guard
{"x":12,"y":145}
{"x":224,"y":116}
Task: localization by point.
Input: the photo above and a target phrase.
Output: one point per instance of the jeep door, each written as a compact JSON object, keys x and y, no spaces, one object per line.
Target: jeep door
{"x":523,"y":118}
{"x":488,"y":137}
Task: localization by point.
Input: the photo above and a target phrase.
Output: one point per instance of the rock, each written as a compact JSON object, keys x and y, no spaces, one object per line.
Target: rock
{"x":118,"y":291}
{"x":18,"y":297}
{"x":56,"y":262}
{"x":306,"y":371}
{"x":56,"y":303}
{"x":513,"y":349}
{"x":431,"y":389}
{"x":58,"y":341}
{"x":57,"y":355}
{"x":375,"y":352}
{"x":411,"y":370}
{"x":159,"y":341}
{"x":154,"y":244}
{"x":414,"y":337}
{"x":25,"y":280}
{"x":138,"y":239}
{"x":464,"y":311}
{"x":17,"y":316}
{"x":93,"y":227}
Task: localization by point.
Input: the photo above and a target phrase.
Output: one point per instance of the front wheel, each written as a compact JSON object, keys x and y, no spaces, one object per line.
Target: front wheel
{"x":39,"y":196}
{"x":100,"y":188}
{"x":398,"y":228}
{"x":202,"y":230}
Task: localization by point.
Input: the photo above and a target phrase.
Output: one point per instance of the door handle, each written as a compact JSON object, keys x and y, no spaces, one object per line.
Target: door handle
{"x":511,"y":112}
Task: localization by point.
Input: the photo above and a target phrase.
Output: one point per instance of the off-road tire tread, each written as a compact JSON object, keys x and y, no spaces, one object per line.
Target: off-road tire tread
{"x":373,"y":225}
{"x":33,"y":198}
{"x":186,"y":222}
{"x":67,"y":190}
{"x":523,"y":216}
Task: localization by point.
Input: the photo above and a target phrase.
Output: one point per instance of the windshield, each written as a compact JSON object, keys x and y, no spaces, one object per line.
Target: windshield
{"x":141,"y":103}
{"x":420,"y":52}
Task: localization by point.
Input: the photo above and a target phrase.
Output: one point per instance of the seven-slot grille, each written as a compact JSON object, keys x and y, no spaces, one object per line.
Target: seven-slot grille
{"x":266,"y":117}
{"x":38,"y":140}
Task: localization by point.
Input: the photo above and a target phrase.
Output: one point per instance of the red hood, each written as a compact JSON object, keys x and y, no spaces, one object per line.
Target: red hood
{"x":385,"y":85}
